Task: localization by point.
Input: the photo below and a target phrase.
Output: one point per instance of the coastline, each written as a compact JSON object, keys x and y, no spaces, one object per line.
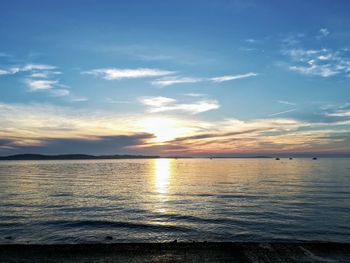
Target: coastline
{"x":179,"y":252}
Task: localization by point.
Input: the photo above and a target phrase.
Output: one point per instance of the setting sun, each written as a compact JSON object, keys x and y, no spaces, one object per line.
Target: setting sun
{"x":164,"y":129}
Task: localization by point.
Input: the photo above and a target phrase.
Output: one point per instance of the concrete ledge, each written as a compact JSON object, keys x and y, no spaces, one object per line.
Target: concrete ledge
{"x":179,"y":252}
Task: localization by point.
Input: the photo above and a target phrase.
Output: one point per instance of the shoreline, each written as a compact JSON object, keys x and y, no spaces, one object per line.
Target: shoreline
{"x":179,"y":252}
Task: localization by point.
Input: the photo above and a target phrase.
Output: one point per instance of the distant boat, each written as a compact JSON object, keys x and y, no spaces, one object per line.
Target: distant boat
{"x":314,"y":158}
{"x":290,"y":158}
{"x":277,"y":158}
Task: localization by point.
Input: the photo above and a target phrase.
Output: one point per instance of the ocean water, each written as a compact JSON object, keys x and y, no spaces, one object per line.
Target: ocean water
{"x":159,"y":200}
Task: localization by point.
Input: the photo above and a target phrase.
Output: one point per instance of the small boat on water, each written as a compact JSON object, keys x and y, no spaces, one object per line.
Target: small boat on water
{"x":277,"y":158}
{"x":314,"y":158}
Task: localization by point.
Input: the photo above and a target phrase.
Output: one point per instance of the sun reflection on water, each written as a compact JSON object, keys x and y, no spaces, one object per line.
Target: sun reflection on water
{"x":162,"y":175}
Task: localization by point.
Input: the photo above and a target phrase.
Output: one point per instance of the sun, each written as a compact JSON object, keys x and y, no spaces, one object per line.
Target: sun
{"x":164,"y":129}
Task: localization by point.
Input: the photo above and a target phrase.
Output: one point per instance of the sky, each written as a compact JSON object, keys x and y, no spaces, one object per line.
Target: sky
{"x":175,"y":78}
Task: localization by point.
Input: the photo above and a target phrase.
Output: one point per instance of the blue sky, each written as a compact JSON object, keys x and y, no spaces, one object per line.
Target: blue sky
{"x":174,"y":77}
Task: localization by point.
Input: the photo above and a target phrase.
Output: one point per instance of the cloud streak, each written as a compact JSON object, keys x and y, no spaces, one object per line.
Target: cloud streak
{"x":286,"y":102}
{"x":164,"y":104}
{"x":168,"y":81}
{"x":233,"y":77}
{"x":26,"y":68}
{"x":117,"y":73}
{"x":282,"y":112}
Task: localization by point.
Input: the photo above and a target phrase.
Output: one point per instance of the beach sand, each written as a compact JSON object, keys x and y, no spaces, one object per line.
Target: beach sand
{"x":178,"y":252}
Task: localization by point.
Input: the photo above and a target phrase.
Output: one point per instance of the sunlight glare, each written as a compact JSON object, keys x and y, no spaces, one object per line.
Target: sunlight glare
{"x":164,"y":129}
{"x":162,"y":175}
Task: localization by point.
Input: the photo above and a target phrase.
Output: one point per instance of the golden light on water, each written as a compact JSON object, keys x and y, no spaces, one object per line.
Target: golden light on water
{"x":162,"y":175}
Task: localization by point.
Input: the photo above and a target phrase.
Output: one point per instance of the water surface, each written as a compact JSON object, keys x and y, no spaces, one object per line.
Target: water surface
{"x":155,"y":200}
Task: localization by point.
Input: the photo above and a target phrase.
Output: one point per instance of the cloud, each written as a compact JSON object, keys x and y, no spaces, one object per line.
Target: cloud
{"x":26,"y":68}
{"x":39,"y":78}
{"x":31,"y":67}
{"x":251,"y":40}
{"x":282,"y":112}
{"x":261,"y":136}
{"x":164,"y":104}
{"x":340,"y":113}
{"x":79,"y":99}
{"x":315,"y":70}
{"x":195,"y":94}
{"x":323,"y":32}
{"x":156,"y":101}
{"x":94,"y":145}
{"x":167,"y":81}
{"x":286,"y":102}
{"x":60,"y":92}
{"x":3,"y":72}
{"x":35,"y":85}
{"x":115,"y":73}
{"x":44,"y":74}
{"x":233,"y":77}
{"x":44,"y":128}
{"x":318,"y":62}
{"x":53,"y":86}
{"x":293,"y":39}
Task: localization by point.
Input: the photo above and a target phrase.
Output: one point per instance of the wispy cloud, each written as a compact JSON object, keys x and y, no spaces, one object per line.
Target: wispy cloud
{"x":44,"y":74}
{"x":60,"y":92}
{"x":323,"y":62}
{"x":39,"y":77}
{"x":167,"y":81}
{"x":286,"y":102}
{"x":26,"y":68}
{"x":116,"y":73}
{"x":79,"y":99}
{"x":281,"y":112}
{"x":323,"y":32}
{"x":31,"y":67}
{"x":195,"y":94}
{"x":156,"y":101}
{"x":315,"y":70}
{"x":233,"y":77}
{"x":3,"y":72}
{"x":163,"y":104}
{"x":340,"y":113}
{"x":35,"y":85}
{"x":251,"y":40}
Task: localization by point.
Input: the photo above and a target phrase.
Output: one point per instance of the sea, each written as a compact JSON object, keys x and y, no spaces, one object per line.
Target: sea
{"x":162,"y":200}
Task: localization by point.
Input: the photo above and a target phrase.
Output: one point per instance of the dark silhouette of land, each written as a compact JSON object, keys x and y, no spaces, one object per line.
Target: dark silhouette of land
{"x":72,"y":157}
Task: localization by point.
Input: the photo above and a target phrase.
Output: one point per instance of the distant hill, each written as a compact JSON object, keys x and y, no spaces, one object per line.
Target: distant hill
{"x":72,"y":157}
